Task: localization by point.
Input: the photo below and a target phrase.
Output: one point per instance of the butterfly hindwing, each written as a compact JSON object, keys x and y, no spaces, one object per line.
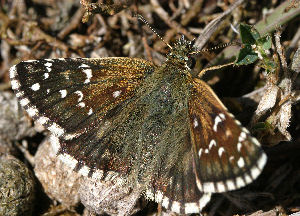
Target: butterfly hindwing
{"x":227,"y":157}
{"x":175,"y":187}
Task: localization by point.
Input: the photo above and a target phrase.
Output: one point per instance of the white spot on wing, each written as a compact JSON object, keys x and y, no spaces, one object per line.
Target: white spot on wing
{"x":190,"y":208}
{"x":221,"y":186}
{"x":220,"y":151}
{"x":195,"y":123}
{"x":240,"y":182}
{"x":219,"y":118}
{"x":20,"y":94}
{"x":46,"y":75}
{"x":15,"y":84}
{"x":24,"y":102}
{"x":247,"y":178}
{"x":32,"y":111}
{"x":80,"y":95}
{"x":90,"y":111}
{"x":89,"y":75}
{"x":84,"y":66}
{"x":254,"y":172}
{"x":81,"y":104}
{"x":204,"y":200}
{"x":208,"y":186}
{"x":242,"y":136}
{"x":12,"y":72}
{"x":35,"y":87}
{"x":245,"y":130}
{"x":165,"y":202}
{"x":56,"y":129}
{"x":232,"y":116}
{"x":116,"y":94}
{"x":262,"y":161}
{"x":212,"y":143}
{"x":48,"y":67}
{"x":239,"y":146}
{"x":222,"y":116}
{"x":42,"y":120}
{"x":217,"y":121}
{"x":230,"y":184}
{"x":241,"y":162}
{"x":175,"y":207}
{"x":228,"y":132}
{"x":48,"y":64}
{"x":200,"y":152}
{"x":255,"y":141}
{"x":87,"y":70}
{"x":71,"y":136}
{"x":63,"y":93}
{"x":238,"y":122}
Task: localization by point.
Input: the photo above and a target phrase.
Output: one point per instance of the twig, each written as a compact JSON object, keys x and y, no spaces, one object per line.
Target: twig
{"x":165,"y":17}
{"x":281,"y":54}
{"x":75,"y":20}
{"x":213,"y":25}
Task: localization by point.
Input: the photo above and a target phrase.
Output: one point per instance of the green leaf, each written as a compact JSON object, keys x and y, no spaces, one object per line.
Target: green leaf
{"x":265,"y":42}
{"x":246,"y":56}
{"x":248,"y":34}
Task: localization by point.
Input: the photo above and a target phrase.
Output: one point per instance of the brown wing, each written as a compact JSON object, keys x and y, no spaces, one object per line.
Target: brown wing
{"x":70,"y":95}
{"x":226,"y":156}
{"x":73,"y":98}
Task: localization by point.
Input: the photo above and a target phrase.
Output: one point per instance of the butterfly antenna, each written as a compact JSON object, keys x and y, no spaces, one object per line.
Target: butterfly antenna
{"x":216,"y":47}
{"x":140,"y":17}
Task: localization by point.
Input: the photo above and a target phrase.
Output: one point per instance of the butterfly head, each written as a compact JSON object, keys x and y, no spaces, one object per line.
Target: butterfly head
{"x":181,"y":51}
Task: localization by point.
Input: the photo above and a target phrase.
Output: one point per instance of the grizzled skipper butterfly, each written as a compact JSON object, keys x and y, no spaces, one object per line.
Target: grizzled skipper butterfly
{"x":155,"y":126}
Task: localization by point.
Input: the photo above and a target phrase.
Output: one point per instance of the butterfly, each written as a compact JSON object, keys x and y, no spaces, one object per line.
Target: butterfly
{"x":154,"y":126}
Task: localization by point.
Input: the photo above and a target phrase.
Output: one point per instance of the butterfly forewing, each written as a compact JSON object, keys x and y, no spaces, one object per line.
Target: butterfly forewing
{"x":69,"y":96}
{"x":227,"y":157}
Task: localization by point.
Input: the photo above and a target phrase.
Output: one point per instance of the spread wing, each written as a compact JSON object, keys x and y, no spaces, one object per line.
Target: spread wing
{"x":73,"y":98}
{"x":69,"y":96}
{"x":226,"y":156}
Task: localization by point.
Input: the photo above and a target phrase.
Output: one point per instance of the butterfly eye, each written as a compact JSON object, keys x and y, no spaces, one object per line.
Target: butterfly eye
{"x":191,"y":62}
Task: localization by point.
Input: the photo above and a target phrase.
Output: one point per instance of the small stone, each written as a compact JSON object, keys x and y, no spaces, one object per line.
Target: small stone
{"x":17,"y":187}
{"x":14,"y":125}
{"x":108,"y":197}
{"x":59,"y":181}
